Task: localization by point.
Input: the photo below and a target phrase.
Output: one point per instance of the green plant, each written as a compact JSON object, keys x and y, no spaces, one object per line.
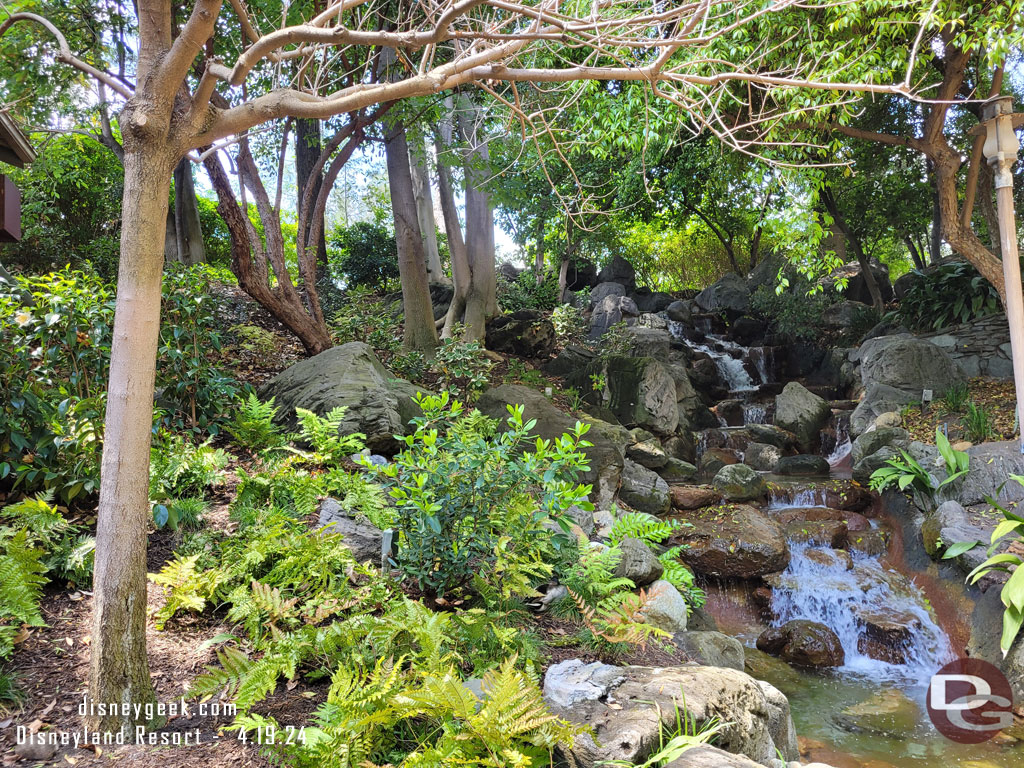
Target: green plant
{"x":945,"y":295}
{"x":575,"y":399}
{"x":674,"y":742}
{"x":68,"y":552}
{"x":324,"y":435}
{"x":179,"y":468}
{"x":21,"y":586}
{"x":364,"y":317}
{"x":471,"y":503}
{"x":978,"y":423}
{"x":253,"y":425}
{"x":11,"y":694}
{"x":518,"y":372}
{"x":364,"y":254}
{"x":462,"y":366}
{"x":795,"y":313}
{"x":616,"y":342}
{"x":570,"y":324}
{"x":412,"y":365}
{"x":956,"y":398}
{"x":906,"y":472}
{"x":180,"y":514}
{"x":525,"y":293}
{"x":255,"y":340}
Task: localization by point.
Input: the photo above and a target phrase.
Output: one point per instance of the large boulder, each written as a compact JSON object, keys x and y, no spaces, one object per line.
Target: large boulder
{"x":734,"y":541}
{"x":527,"y":333}
{"x":643,"y":490}
{"x":639,"y":391}
{"x":608,"y":311}
{"x":762,"y":456}
{"x":638,"y":563}
{"x":800,"y":411}
{"x":803,"y":644}
{"x":988,"y":473}
{"x":680,"y":312}
{"x":909,"y":364}
{"x":618,"y":270}
{"x":605,"y":456}
{"x":738,"y":482}
{"x":730,"y":294}
{"x":627,"y":708}
{"x":651,"y":301}
{"x":649,"y":342}
{"x":363,"y":539}
{"x":872,"y":440}
{"x":802,"y":465}
{"x":856,"y":283}
{"x":711,"y":648}
{"x":379,"y":404}
{"x":706,"y":756}
{"x":693,"y":412}
{"x":879,"y":400}
{"x":580,"y":274}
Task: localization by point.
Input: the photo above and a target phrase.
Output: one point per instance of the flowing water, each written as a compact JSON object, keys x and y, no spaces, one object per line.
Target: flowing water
{"x":727,"y":355}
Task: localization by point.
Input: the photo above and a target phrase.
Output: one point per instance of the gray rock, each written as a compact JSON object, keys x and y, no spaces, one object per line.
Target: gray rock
{"x":864,"y":468}
{"x":803,"y":413}
{"x":379,"y":405}
{"x":643,"y":490}
{"x":990,"y":467}
{"x":871,"y":441}
{"x":780,"y":722}
{"x":679,"y":312}
{"x":582,"y":518}
{"x":609,"y":311}
{"x":570,"y":359}
{"x":771,"y":434}
{"x":677,"y":471}
{"x":527,"y":333}
{"x":909,"y":364}
{"x":638,"y":563}
{"x":640,"y":392}
{"x":762,"y":456}
{"x":648,"y":454}
{"x":665,"y":607}
{"x":651,"y":301}
{"x":618,"y":270}
{"x":649,"y":342}
{"x":706,"y":756}
{"x":804,"y":465}
{"x":879,"y":400}
{"x":570,"y":683}
{"x":33,"y":752}
{"x":601,"y":290}
{"x":738,"y":482}
{"x":362,"y":538}
{"x":649,"y":320}
{"x":842,"y":315}
{"x":604,"y":520}
{"x":713,"y":649}
{"x":731,"y":293}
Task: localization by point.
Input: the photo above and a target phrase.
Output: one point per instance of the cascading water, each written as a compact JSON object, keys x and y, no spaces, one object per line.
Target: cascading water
{"x":755,"y":413}
{"x":843,"y":446}
{"x":722,"y":352}
{"x":844,"y":594}
{"x":783,"y":497}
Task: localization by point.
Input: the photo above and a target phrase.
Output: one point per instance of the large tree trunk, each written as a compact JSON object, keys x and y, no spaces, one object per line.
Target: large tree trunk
{"x":420,"y":331}
{"x":482,"y":296}
{"x":188,"y":228}
{"x":456,"y":245}
{"x":308,"y":147}
{"x":420,"y":172}
{"x":118,"y":671}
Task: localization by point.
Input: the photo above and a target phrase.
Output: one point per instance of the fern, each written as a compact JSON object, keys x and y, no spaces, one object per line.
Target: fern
{"x":186,"y":588}
{"x":178,"y":468}
{"x":681,"y":577}
{"x":253,"y":426}
{"x":640,"y":525}
{"x":324,"y":435}
{"x":21,"y":586}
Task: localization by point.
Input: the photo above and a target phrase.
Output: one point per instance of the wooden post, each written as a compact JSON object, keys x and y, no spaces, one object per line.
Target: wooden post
{"x":1001,"y":148}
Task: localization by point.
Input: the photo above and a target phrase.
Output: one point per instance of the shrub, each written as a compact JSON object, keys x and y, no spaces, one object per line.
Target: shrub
{"x":178,"y":468}
{"x":471,"y":503}
{"x":956,"y":398}
{"x":366,"y":318}
{"x":978,"y":423}
{"x":255,"y":340}
{"x":253,"y":426}
{"x":524,"y":293}
{"x":462,"y":366}
{"x":947,"y":295}
{"x":365,"y":254}
{"x":794,"y":313}
{"x":570,"y":324}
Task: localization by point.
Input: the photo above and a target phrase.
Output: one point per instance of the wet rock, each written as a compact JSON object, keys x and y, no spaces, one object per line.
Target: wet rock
{"x":714,"y":459}
{"x":638,"y":563}
{"x":808,"y":514}
{"x":693,"y":497}
{"x":874,"y":542}
{"x":527,"y":333}
{"x":379,"y":404}
{"x":713,"y":649}
{"x":738,"y":482}
{"x":359,"y":535}
{"x":681,"y":447}
{"x":640,"y":392}
{"x":665,"y":608}
{"x":949,"y":524}
{"x":803,"y":413}
{"x":643,"y":490}
{"x":803,"y":644}
{"x":801,"y":465}
{"x":736,"y":541}
{"x":762,"y":456}
{"x":731,"y":294}
{"x":886,"y":633}
{"x":627,"y":707}
{"x":830,"y":558}
{"x":855,"y":523}
{"x":830,"y":533}
{"x":871,"y":441}
{"x":731,"y":411}
{"x":676,"y":471}
{"x":648,"y":454}
{"x":772,"y":435}
{"x":746,"y":330}
{"x":848,"y":495}
{"x":888,"y":713}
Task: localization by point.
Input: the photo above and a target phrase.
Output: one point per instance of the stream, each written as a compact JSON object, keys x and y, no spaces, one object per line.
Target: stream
{"x":869,"y":712}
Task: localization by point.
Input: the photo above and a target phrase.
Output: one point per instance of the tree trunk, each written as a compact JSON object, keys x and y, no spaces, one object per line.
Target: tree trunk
{"x":118,"y":671}
{"x":538,"y":260}
{"x":456,"y":244}
{"x":482,"y":297}
{"x":988,"y":210}
{"x":858,"y":249}
{"x":307,"y":154}
{"x":935,"y":237}
{"x":419,"y":168}
{"x":915,"y":255}
{"x":420,"y":331}
{"x":188,"y":229}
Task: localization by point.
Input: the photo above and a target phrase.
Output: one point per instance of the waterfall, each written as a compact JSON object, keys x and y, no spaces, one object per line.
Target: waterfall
{"x":820,"y":585}
{"x":755,"y":413}
{"x":843,"y":446}
{"x":781,"y":497}
{"x":721,"y":351}
{"x":762,"y":357}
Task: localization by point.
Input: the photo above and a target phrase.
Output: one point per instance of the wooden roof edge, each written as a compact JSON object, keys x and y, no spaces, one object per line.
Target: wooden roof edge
{"x":12,"y":137}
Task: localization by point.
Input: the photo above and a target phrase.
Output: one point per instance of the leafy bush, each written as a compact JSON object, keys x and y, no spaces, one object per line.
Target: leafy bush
{"x":570,"y":325}
{"x":253,"y":426}
{"x":945,"y":295}
{"x":365,"y":254}
{"x":254,"y":340}
{"x":462,"y":366}
{"x":179,"y":468}
{"x":794,"y":313}
{"x":366,"y":318}
{"x":906,"y":473}
{"x":472,"y":504}
{"x":524,"y":293}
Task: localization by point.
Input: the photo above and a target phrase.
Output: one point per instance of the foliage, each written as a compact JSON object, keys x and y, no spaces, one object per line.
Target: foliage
{"x":179,"y":468}
{"x":253,"y":425}
{"x":255,"y":340}
{"x":216,"y":237}
{"x":471,"y":503}
{"x":364,"y":317}
{"x":978,"y":423}
{"x":906,"y":472}
{"x":324,"y":435}
{"x":674,"y":742}
{"x":956,"y":398}
{"x":794,"y":313}
{"x":11,"y":694}
{"x":364,"y":254}
{"x":21,"y":586}
{"x":68,"y":550}
{"x":570,"y":324}
{"x":947,"y":294}
{"x":524,"y":293}
{"x":462,"y":365}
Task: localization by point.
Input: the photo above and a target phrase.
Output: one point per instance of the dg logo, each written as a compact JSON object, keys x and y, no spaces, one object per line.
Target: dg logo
{"x":970,"y":701}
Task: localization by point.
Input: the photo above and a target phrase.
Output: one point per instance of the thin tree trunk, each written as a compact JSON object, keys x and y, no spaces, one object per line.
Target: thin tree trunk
{"x":482,"y":298}
{"x":118,"y":671}
{"x":420,"y":331}
{"x":915,"y":255}
{"x":858,"y":250}
{"x":456,"y":244}
{"x":988,"y":210}
{"x":935,"y":238}
{"x":538,"y":262}
{"x":187,"y":227}
{"x":420,"y":172}
{"x":308,"y":147}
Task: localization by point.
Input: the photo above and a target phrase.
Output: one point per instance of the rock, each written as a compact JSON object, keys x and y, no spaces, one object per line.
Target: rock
{"x":736,"y":541}
{"x":582,"y":518}
{"x":889,"y":419}
{"x":878,"y":400}
{"x":771,"y":434}
{"x":706,"y":756}
{"x":856,"y":285}
{"x":379,"y":404}
{"x":643,"y":490}
{"x":847,"y":495}
{"x":830,"y":558}
{"x":677,"y":471}
{"x":527,"y":333}
{"x":747,"y":330}
{"x":609,"y":311}
{"x":712,"y":649}
{"x":648,"y":454}
{"x":693,"y":413}
{"x":693,"y":497}
{"x":888,"y":713}
{"x":731,"y":294}
{"x":679,"y":312}
{"x":580,"y":275}
{"x":570,"y":359}
{"x":605,"y":456}
{"x":627,"y":707}
{"x":842,"y":315}
{"x":762,"y":456}
{"x":605,"y":289}
{"x":803,"y":413}
{"x":363,"y":539}
{"x":872,"y":440}
{"x":665,"y":607}
{"x":803,"y":644}
{"x":604,"y":521}
{"x":681,"y":447}
{"x":804,"y":464}
{"x":831,"y":533}
{"x":886,"y":633}
{"x":651,"y":301}
{"x":638,"y":563}
{"x":618,"y":270}
{"x":808,"y":514}
{"x":864,"y":468}
{"x":990,"y":466}
{"x":731,"y":411}
{"x":648,"y":342}
{"x":34,"y":752}
{"x":738,"y":482}
{"x":714,"y":459}
{"x":874,"y":542}
{"x":640,"y":392}
{"x":909,"y":364}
